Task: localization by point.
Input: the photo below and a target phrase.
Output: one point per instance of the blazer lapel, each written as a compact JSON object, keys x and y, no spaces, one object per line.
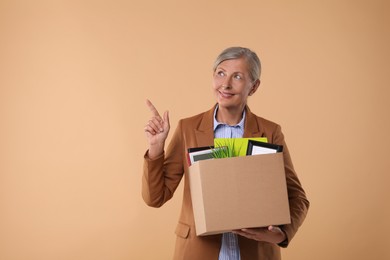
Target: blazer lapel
{"x":251,"y":127}
{"x":205,"y":132}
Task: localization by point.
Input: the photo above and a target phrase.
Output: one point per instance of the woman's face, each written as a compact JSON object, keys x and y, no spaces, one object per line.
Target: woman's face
{"x":232,"y":84}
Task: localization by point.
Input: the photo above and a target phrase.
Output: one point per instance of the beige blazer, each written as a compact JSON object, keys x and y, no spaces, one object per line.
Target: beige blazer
{"x":162,"y":176}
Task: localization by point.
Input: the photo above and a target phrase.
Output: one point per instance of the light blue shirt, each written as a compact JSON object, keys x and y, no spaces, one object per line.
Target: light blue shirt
{"x":229,"y":248}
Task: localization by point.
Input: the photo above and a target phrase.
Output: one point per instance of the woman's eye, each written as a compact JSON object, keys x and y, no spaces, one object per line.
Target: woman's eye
{"x":221,"y":73}
{"x":237,"y":77}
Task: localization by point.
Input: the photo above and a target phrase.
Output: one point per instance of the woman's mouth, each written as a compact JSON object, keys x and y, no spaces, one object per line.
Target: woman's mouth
{"x":225,"y":94}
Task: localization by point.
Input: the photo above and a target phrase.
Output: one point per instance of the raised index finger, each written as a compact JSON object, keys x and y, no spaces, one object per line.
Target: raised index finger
{"x":152,"y":108}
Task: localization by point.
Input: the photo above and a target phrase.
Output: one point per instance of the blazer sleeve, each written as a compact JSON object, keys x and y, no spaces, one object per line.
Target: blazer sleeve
{"x":162,"y":175}
{"x":298,"y":202}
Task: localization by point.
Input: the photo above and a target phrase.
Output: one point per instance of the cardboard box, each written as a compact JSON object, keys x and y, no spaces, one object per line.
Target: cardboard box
{"x":239,"y":192}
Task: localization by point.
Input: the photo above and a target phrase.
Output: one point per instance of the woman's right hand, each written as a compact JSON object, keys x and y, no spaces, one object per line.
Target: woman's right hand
{"x":156,"y":130}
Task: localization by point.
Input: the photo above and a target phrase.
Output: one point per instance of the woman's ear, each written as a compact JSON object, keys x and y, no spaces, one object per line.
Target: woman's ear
{"x":254,"y":88}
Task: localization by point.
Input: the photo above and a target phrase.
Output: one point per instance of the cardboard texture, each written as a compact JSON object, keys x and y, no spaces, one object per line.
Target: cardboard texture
{"x":239,"y":192}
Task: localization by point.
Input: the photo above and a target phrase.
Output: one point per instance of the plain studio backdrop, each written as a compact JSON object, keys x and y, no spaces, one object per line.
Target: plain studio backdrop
{"x":74,"y":76}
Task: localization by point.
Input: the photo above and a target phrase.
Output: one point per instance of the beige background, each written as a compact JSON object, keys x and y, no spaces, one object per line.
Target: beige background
{"x":74,"y":76}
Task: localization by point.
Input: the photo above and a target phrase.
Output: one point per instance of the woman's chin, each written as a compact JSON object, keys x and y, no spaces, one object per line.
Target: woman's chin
{"x":227,"y":105}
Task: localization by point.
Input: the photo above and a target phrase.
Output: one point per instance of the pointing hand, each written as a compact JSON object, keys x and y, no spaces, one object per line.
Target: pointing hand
{"x":156,"y":130}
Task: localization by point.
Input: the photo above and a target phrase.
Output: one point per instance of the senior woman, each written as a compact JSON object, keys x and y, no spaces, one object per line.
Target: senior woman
{"x":235,"y":78}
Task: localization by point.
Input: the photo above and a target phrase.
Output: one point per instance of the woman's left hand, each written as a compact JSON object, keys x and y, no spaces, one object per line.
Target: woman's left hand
{"x":272,"y":234}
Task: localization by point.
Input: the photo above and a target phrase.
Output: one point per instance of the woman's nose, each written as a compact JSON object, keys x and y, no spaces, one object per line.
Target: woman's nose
{"x":226,"y":83}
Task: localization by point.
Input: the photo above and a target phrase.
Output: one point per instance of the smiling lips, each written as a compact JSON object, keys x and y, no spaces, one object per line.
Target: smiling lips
{"x":225,"y":94}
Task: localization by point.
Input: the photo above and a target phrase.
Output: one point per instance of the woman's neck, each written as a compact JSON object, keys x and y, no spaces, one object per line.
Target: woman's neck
{"x":230,"y":116}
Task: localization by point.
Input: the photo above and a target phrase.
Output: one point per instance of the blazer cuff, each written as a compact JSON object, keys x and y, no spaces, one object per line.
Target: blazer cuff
{"x":146,"y":156}
{"x":284,"y":243}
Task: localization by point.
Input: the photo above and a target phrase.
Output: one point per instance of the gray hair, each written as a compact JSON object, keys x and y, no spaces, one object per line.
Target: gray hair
{"x":251,"y":58}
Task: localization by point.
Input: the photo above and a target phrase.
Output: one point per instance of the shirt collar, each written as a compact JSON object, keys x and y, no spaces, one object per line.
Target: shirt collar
{"x":216,"y":123}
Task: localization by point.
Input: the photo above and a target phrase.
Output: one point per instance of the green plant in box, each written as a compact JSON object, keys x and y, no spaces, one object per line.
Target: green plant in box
{"x":225,"y":148}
